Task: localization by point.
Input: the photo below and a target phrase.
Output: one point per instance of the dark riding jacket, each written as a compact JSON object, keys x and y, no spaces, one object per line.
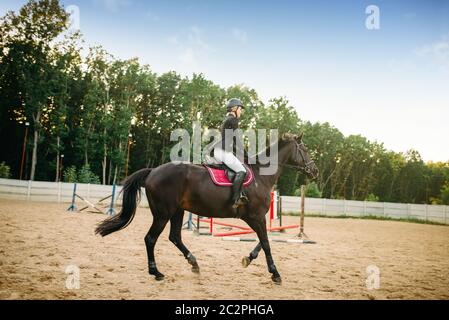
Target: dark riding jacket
{"x":231,"y":122}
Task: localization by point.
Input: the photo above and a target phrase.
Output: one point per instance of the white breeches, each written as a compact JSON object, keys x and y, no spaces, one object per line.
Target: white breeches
{"x":229,"y":159}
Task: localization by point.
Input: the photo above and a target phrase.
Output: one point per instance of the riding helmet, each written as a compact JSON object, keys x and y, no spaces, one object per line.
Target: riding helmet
{"x":234,"y":102}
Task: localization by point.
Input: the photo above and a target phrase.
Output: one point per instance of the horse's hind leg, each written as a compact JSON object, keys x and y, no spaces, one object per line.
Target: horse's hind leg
{"x":156,"y":229}
{"x":175,"y":237}
{"x":252,"y":255}
{"x":258,"y":225}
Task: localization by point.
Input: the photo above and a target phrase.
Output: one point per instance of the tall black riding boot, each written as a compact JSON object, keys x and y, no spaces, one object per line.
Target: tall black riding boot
{"x":238,"y":198}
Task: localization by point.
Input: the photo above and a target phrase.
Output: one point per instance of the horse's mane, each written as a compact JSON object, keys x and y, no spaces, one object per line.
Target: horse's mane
{"x":281,"y":142}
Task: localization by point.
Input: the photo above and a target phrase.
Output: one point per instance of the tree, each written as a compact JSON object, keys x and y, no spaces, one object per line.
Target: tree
{"x":311,"y":191}
{"x":280,"y":115}
{"x":67,"y":63}
{"x":144,"y":120}
{"x":445,"y":194}
{"x":413,"y":180}
{"x":169,"y":111}
{"x":25,"y":59}
{"x":325,"y":143}
{"x":124,"y":78}
{"x":87,"y":107}
{"x":96,"y":108}
{"x":4,"y":170}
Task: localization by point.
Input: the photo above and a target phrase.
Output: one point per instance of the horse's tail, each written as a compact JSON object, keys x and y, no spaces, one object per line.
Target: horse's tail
{"x":131,"y":196}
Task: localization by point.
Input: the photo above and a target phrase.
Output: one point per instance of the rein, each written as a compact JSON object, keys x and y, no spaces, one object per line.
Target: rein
{"x":307,"y":167}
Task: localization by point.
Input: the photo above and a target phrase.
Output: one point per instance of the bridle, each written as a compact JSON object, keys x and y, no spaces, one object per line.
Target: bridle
{"x":307,"y":167}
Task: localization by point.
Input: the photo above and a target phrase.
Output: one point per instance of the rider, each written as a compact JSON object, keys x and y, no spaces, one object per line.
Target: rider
{"x":234,"y":109}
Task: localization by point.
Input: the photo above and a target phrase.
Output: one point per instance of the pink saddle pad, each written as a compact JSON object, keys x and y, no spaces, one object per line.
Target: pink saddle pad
{"x":220,"y":178}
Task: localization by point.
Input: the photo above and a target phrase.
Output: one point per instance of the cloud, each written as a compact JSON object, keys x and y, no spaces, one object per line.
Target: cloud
{"x":152,"y":16}
{"x":113,"y":5}
{"x":173,"y":40}
{"x":187,"y":56}
{"x":196,"y":38}
{"x":437,"y":51}
{"x":401,"y":65}
{"x":191,"y":45}
{"x":240,"y":35}
{"x":409,"y":15}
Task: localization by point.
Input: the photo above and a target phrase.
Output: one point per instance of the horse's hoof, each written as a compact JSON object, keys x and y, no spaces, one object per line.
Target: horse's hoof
{"x":246,"y":262}
{"x":276,"y":279}
{"x":196,"y":269}
{"x":159,"y":277}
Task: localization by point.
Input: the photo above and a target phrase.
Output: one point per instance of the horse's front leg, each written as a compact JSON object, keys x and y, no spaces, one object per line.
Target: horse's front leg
{"x":258,"y":225}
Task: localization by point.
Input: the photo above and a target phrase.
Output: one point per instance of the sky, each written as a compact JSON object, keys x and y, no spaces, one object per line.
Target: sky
{"x":389,"y":84}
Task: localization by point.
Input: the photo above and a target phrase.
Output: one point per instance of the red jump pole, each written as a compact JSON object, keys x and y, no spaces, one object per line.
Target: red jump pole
{"x":283,"y":228}
{"x":226,"y":224}
{"x":211,"y":225}
{"x":233,"y":233}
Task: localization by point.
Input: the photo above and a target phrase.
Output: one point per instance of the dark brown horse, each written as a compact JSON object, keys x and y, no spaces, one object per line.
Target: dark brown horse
{"x":172,"y":188}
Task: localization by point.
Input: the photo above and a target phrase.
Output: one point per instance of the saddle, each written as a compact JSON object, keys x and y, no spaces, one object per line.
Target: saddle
{"x":221,"y":175}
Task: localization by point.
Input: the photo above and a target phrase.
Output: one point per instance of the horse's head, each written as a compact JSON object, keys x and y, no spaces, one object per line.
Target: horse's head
{"x":300,"y":157}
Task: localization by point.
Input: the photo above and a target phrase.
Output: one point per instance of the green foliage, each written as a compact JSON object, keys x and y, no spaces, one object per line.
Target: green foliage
{"x":85,"y":106}
{"x":85,"y":175}
{"x":312,"y":190}
{"x":445,"y":195}
{"x":287,"y":182}
{"x":28,"y":63}
{"x":372,"y":197}
{"x":280,"y":115}
{"x":70,"y":174}
{"x":4,"y":170}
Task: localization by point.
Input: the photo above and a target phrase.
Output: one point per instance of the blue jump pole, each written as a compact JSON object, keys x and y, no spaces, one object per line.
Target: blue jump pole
{"x":73,"y":205}
{"x":189,"y":224}
{"x":111,"y":211}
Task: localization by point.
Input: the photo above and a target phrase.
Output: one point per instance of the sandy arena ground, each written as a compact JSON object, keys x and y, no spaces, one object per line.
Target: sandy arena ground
{"x":39,"y":240}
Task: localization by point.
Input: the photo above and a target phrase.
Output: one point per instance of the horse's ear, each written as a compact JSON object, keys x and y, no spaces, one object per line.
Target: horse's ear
{"x":299,"y":138}
{"x":287,"y":136}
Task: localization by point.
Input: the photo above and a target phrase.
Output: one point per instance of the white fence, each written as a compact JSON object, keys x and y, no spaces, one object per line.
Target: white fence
{"x":332,"y":207}
{"x":57,"y":192}
{"x":62,"y":192}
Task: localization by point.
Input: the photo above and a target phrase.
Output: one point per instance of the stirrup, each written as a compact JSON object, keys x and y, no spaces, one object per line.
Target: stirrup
{"x":241,"y":201}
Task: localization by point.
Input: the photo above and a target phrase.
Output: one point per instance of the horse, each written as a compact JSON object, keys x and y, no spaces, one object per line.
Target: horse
{"x":172,"y":188}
